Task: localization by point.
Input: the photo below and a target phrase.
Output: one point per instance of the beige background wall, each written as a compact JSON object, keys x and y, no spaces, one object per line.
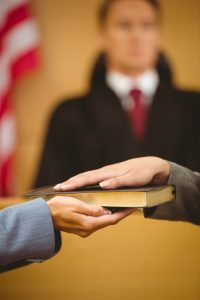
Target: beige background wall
{"x":138,"y":259}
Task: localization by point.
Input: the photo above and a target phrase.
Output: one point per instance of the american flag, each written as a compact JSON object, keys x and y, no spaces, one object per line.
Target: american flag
{"x":18,"y":54}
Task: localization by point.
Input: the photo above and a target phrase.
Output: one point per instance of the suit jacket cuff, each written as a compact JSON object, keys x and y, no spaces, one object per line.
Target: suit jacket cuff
{"x":186,"y":206}
{"x":29,"y":234}
{"x":51,"y":240}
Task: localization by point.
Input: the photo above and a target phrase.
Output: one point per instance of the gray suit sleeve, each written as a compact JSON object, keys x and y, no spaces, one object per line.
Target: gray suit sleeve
{"x":186,"y":207}
{"x":27,"y":234}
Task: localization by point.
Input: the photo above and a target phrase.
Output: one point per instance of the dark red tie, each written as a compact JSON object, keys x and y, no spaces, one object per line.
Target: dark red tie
{"x":138,"y":114}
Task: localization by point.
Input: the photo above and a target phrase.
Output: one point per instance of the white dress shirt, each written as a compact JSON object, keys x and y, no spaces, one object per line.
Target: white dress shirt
{"x":122,"y":84}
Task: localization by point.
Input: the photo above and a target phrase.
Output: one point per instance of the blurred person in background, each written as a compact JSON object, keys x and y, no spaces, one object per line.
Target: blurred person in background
{"x":132,"y":109}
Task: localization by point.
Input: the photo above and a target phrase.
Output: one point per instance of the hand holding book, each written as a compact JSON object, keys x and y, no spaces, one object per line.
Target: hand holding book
{"x":143,"y":183}
{"x":74,"y":216}
{"x":131,"y":173}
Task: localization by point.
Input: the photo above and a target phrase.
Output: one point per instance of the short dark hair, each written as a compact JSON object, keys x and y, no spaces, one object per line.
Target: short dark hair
{"x":105,"y":7}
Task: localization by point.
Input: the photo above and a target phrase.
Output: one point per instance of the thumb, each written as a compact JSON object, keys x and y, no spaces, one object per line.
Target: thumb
{"x":97,"y":211}
{"x":93,"y":210}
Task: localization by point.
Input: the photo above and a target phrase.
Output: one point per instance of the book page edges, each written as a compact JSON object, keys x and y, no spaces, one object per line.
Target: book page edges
{"x":156,"y":197}
{"x":128,"y":199}
{"x":116,"y":199}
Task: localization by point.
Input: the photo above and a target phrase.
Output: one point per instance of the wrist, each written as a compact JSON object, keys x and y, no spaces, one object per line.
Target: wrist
{"x":162,"y":172}
{"x":52,"y":211}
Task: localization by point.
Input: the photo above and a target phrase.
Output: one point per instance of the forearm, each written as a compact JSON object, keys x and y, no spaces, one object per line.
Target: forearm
{"x":27,"y":233}
{"x":186,"y":207}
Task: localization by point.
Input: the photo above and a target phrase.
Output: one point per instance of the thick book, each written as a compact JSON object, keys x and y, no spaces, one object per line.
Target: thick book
{"x":119,"y":198}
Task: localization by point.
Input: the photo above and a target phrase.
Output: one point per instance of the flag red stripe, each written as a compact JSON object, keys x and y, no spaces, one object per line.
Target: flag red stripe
{"x":15,"y":17}
{"x":4,"y":101}
{"x":26,"y":62}
{"x":18,"y":57}
{"x":5,"y":176}
{"x":18,"y":15}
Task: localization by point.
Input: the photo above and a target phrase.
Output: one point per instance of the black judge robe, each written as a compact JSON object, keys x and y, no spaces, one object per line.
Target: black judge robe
{"x":93,"y":130}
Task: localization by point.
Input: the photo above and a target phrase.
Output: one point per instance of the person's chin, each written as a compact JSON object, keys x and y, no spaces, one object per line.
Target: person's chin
{"x":136,"y":65}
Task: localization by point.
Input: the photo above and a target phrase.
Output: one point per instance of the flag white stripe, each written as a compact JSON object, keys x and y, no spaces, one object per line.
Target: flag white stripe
{"x":7,"y":136}
{"x":21,"y":39}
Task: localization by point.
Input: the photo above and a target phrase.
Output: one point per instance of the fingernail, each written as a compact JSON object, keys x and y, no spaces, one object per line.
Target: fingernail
{"x":107,"y":212}
{"x":58,"y":186}
{"x":66,"y":186}
{"x":105,"y":184}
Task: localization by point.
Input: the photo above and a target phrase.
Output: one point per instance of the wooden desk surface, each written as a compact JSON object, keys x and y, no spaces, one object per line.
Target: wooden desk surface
{"x":137,"y":259}
{"x":6,"y":202}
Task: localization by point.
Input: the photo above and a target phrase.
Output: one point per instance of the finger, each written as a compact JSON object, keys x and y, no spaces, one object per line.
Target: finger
{"x":106,"y":220}
{"x":83,"y":179}
{"x":88,"y":225}
{"x":88,"y":178}
{"x":80,"y":232}
{"x":92,"y":177}
{"x":116,"y":182}
{"x":80,"y":207}
{"x":131,"y":179}
{"x":91,"y":210}
{"x":70,"y":221}
{"x":118,"y":216}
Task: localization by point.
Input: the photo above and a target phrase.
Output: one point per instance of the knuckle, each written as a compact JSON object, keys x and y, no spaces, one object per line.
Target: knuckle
{"x":97,"y":210}
{"x":87,"y":226}
{"x":82,"y":220}
{"x":103,"y":172}
{"x":115,"y":220}
{"x":74,"y":206}
{"x":115,"y":182}
{"x":88,"y":176}
{"x":84,"y":234}
{"x":56,"y":199}
{"x":103,"y":169}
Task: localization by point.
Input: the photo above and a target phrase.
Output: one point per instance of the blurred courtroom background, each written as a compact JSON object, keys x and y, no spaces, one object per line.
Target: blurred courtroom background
{"x":68,"y":48}
{"x":138,"y":259}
